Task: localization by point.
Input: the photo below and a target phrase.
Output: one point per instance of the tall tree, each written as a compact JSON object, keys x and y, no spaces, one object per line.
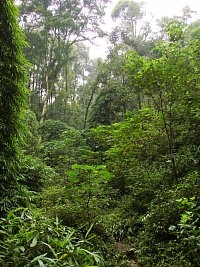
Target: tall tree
{"x":131,"y":28}
{"x":170,"y":84}
{"x":71,"y":94}
{"x":52,"y":28}
{"x":183,"y":20}
{"x":114,"y":96}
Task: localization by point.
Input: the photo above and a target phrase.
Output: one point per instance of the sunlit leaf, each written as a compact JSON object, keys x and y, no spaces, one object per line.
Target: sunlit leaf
{"x":34,"y":242}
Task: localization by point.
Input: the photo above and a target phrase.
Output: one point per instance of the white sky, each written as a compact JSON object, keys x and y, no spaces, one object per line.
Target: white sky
{"x":155,"y":9}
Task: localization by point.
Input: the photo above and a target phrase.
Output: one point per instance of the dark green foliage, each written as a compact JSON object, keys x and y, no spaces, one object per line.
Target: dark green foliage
{"x":115,"y":96}
{"x":107,"y":104}
{"x":12,"y":100}
{"x":31,"y":137}
{"x":35,"y":173}
{"x":83,"y":195}
{"x":51,"y":130}
{"x":64,"y":151}
{"x":88,"y":187}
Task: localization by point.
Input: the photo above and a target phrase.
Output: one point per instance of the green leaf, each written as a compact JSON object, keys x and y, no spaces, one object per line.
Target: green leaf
{"x":184,"y":218}
{"x":106,"y":174}
{"x":74,"y":179}
{"x":88,"y":168}
{"x":72,"y":173}
{"x":22,"y":248}
{"x":52,"y":250}
{"x":34,"y":242}
{"x":39,"y":257}
{"x":89,"y":230}
{"x":41,"y":263}
{"x":101,"y":167}
{"x":172,"y":227}
{"x":68,"y":187}
{"x":76,"y":166}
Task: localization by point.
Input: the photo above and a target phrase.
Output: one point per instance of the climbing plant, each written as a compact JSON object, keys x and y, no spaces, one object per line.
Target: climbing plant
{"x":12,"y":101}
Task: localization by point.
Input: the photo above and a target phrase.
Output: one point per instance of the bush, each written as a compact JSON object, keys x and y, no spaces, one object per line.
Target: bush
{"x":35,"y":173}
{"x":81,"y":197}
{"x":51,"y":130}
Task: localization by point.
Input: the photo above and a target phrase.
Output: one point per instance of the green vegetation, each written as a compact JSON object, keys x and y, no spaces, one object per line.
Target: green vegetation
{"x":12,"y":101}
{"x":28,"y":238}
{"x":102,"y":165}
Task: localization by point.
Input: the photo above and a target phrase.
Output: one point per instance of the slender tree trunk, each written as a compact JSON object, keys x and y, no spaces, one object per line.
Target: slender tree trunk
{"x":139,"y":100}
{"x":45,"y":105}
{"x":169,"y":132}
{"x":167,"y":127}
{"x":94,"y":87}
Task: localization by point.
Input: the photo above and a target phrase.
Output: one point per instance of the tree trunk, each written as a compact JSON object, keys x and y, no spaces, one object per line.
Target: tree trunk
{"x":45,"y":105}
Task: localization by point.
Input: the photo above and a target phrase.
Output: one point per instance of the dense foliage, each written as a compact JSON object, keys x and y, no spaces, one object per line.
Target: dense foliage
{"x":12,"y":101}
{"x":30,"y":239}
{"x":103,"y":166}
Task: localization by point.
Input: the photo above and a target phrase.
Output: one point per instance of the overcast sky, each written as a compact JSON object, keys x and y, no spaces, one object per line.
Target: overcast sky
{"x":155,"y":9}
{"x":169,"y":8}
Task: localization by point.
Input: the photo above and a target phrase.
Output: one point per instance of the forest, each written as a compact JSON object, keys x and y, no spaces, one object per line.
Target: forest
{"x":99,"y":158}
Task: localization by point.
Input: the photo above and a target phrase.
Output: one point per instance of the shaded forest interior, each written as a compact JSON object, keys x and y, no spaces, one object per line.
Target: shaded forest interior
{"x":100,"y":159}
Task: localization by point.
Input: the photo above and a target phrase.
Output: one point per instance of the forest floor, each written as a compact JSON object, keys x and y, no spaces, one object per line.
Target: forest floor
{"x":123,"y":249}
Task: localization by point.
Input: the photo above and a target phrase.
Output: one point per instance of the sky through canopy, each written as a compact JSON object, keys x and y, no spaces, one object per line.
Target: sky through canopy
{"x":154,"y":9}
